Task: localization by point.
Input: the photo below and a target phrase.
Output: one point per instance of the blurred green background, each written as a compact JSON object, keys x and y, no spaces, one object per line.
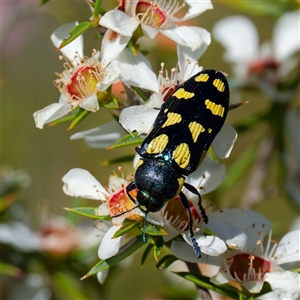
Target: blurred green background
{"x":29,"y":62}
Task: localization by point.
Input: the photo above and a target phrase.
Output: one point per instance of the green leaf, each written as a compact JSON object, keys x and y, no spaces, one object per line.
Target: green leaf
{"x":76,"y":32}
{"x":10,"y":270}
{"x":126,"y":227}
{"x":166,"y":261}
{"x":44,"y":2}
{"x":263,"y":8}
{"x":124,"y":252}
{"x":80,"y":117}
{"x":146,"y":253}
{"x":119,"y":160}
{"x":90,"y":212}
{"x":204,"y":282}
{"x":129,"y":139}
{"x":155,"y":230}
{"x":113,"y":104}
{"x":70,"y":116}
{"x":158,"y":246}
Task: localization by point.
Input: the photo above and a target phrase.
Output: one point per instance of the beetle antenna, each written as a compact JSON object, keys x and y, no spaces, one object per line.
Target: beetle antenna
{"x":125,"y":212}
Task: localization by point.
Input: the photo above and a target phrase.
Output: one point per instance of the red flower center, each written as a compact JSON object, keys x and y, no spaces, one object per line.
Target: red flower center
{"x":247,"y":266}
{"x":150,"y":14}
{"x":178,"y":217}
{"x":82,"y":83}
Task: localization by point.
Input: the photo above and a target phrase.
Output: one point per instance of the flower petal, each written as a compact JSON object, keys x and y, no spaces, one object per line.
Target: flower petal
{"x":288,"y":248}
{"x":18,"y":235}
{"x":286,"y":35}
{"x":138,"y":118}
{"x":208,"y":176}
{"x":185,"y":252}
{"x":224,"y":141}
{"x":285,"y":284}
{"x":209,"y":245}
{"x":238,"y":227}
{"x":101,"y":276}
{"x":72,"y":49}
{"x":184,"y":36}
{"x":50,"y":113}
{"x":90,"y":103}
{"x":111,"y":48}
{"x":137,"y":71}
{"x":111,"y":76}
{"x":149,"y":31}
{"x":119,"y":22}
{"x":239,"y":37}
{"x":80,"y":183}
{"x":195,"y":8}
{"x":109,"y":246}
{"x":102,"y":136}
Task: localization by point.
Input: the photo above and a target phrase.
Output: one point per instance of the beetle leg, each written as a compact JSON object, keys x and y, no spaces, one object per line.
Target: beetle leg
{"x":193,"y":190}
{"x":185,"y":203}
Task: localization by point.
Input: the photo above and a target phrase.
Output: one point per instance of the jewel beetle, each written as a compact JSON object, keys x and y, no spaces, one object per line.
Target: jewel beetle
{"x":177,"y":143}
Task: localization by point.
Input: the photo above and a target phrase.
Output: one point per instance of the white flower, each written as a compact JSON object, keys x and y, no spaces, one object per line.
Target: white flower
{"x":240,"y":38}
{"x":175,"y":219}
{"x":102,"y":136}
{"x":79,"y":84}
{"x":153,"y":17}
{"x":247,"y":261}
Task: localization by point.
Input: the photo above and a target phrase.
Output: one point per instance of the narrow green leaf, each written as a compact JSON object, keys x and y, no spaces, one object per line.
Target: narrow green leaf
{"x":10,"y":270}
{"x":118,"y":160}
{"x":124,"y":252}
{"x":158,"y":246}
{"x":146,"y":253}
{"x":204,"y":282}
{"x":126,"y":227}
{"x":69,"y":117}
{"x":166,"y":261}
{"x":259,"y":8}
{"x":129,"y":139}
{"x":155,"y":230}
{"x":90,"y":212}
{"x":67,"y":286}
{"x":44,"y":2}
{"x":80,"y":117}
{"x":113,"y":104}
{"x":76,"y":32}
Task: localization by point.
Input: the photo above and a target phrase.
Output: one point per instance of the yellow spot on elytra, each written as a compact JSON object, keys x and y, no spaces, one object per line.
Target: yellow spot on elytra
{"x":219,"y":84}
{"x":182,"y":155}
{"x":202,"y":78}
{"x":173,"y":118}
{"x":165,"y":111}
{"x":196,"y":129}
{"x":180,"y":185}
{"x":158,"y":144}
{"x":181,"y":93}
{"x":140,"y":162}
{"x":216,"y":109}
{"x":209,"y":130}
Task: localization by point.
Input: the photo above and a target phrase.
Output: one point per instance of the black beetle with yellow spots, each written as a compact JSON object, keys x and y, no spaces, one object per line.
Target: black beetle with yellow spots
{"x":178,"y":141}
